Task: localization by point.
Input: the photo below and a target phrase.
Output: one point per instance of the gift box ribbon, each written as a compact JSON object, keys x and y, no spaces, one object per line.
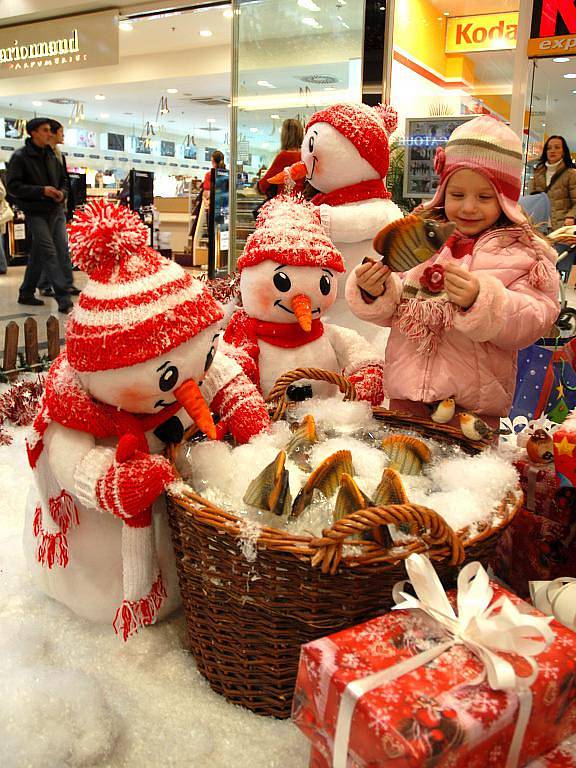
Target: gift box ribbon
{"x":485,"y":628}
{"x":556,"y":598}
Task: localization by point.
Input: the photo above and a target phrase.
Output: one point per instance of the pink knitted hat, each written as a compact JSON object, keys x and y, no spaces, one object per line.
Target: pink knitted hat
{"x":491,"y":148}
{"x":289,"y":232}
{"x":136,"y":304}
{"x":368,"y":128}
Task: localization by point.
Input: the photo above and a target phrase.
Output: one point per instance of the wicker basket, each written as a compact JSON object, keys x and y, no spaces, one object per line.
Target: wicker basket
{"x":247,"y":620}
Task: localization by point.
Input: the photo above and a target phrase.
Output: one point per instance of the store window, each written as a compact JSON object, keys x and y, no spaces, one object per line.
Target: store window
{"x":293,"y":59}
{"x":148,"y":94}
{"x":451,"y":59}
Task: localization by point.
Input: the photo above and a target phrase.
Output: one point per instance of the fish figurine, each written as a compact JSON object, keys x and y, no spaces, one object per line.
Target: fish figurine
{"x":326,"y":478}
{"x":410,"y":241}
{"x":350,"y":499}
{"x":389,"y":490}
{"x":301,"y":441}
{"x":474,"y":428}
{"x":443,"y":411}
{"x":540,"y":447}
{"x":407,"y":454}
{"x":270,"y":491}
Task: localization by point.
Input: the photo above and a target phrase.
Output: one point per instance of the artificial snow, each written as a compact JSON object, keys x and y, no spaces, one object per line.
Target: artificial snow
{"x":73,"y":695}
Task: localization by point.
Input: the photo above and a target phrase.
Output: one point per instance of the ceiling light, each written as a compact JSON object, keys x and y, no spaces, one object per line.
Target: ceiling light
{"x":446,"y":13}
{"x":210,"y":119}
{"x":126,"y":26}
{"x":265,"y":84}
{"x":228,"y":13}
{"x":104,"y":115}
{"x":100,"y":97}
{"x":275,"y":117}
{"x":37,"y":103}
{"x":570,"y":75}
{"x":310,"y":5}
{"x":253,"y":130}
{"x":171,"y":90}
{"x":310,"y":22}
{"x":205,"y":33}
{"x":573,"y":91}
{"x":561,"y":59}
{"x":329,"y":88}
{"x":543,"y":125}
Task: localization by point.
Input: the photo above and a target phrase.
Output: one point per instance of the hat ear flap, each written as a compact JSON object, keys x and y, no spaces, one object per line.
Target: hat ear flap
{"x":389,"y":117}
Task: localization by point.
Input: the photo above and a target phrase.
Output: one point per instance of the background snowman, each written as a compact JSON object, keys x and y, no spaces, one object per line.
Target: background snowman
{"x":346,"y":155}
{"x":139,"y":365}
{"x":288,"y":280}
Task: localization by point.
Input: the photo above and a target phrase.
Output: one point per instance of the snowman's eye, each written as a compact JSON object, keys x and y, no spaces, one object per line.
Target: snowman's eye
{"x":212,"y":352}
{"x":311,"y":144}
{"x":282,"y":282}
{"x":169,"y":378}
{"x":325,"y":285}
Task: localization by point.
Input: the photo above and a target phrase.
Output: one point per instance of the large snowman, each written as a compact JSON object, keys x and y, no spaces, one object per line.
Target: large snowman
{"x":288,"y":281}
{"x":140,"y":365}
{"x":346,"y":155}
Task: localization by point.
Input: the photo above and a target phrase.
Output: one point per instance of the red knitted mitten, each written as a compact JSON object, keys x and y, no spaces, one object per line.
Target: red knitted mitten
{"x":242,"y":408}
{"x":128,"y":489}
{"x":369,"y":384}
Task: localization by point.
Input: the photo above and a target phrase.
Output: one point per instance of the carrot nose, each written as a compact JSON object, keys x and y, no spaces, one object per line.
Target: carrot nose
{"x":295,"y":172}
{"x":302,"y":308}
{"x":190,"y":398}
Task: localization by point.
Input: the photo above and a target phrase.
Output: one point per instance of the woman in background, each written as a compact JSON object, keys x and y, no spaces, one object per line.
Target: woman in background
{"x":555,"y":174}
{"x":291,"y":138}
{"x":217,"y":159}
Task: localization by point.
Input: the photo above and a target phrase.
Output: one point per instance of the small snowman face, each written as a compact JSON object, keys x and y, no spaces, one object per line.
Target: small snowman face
{"x":331,"y":160}
{"x":148,"y":387}
{"x":268,"y":289}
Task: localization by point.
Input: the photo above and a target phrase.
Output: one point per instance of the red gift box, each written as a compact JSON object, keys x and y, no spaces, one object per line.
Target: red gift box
{"x":539,"y":485}
{"x":438,"y":715}
{"x":565,"y":452}
{"x":563,"y":756}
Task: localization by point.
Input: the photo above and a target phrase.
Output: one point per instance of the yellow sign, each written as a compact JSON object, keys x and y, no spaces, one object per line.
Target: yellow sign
{"x":552,"y":46}
{"x":488,"y":32}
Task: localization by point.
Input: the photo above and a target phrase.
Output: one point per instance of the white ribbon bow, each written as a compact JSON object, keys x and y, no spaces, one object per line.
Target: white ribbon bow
{"x":556,"y":598}
{"x":485,"y":629}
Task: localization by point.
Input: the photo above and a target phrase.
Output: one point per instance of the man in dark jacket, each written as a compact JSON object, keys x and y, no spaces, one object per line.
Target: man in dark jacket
{"x":35,"y":181}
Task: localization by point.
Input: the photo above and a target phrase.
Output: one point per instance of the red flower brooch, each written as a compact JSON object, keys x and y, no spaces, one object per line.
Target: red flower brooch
{"x":439,"y":160}
{"x":433,"y":278}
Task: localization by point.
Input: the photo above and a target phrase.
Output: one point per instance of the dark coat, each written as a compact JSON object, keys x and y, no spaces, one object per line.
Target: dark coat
{"x":29,"y":170}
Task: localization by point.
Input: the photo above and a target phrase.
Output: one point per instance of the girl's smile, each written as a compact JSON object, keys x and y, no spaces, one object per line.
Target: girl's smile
{"x":471,"y":202}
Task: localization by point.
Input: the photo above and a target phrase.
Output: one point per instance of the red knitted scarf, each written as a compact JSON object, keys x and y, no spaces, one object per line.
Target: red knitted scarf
{"x":286,"y":335}
{"x":365,"y":190}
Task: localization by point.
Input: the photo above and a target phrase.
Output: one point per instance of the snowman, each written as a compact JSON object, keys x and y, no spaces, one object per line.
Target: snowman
{"x":140,"y":366}
{"x":345,"y":156}
{"x":288,"y":280}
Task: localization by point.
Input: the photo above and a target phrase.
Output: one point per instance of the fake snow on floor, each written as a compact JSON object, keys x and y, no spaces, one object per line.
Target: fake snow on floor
{"x":72,"y":694}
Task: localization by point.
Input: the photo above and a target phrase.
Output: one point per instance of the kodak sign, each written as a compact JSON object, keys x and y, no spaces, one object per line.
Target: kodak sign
{"x":488,"y":32}
{"x":553,"y":30}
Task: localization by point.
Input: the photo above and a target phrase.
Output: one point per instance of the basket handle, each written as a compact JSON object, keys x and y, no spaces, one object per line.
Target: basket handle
{"x":277,"y":395}
{"x":435,"y":533}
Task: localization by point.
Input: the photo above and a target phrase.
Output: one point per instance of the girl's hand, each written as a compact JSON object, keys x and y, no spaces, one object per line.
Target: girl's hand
{"x":461,"y":286}
{"x":372,"y":277}
{"x":569,"y":221}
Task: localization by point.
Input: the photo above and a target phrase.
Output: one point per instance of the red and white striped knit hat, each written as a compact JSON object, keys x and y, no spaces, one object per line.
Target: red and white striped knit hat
{"x":136,"y":304}
{"x":288,"y":231}
{"x":488,"y":146}
{"x":368,"y":128}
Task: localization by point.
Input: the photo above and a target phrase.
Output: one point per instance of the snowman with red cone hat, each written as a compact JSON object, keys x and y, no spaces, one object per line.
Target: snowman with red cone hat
{"x":140,"y":365}
{"x":345,"y":156}
{"x":288,"y":281}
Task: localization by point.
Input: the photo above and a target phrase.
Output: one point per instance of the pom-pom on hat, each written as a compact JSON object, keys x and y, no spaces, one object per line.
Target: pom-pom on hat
{"x":288,"y":231}
{"x":368,"y":128}
{"x":136,"y":304}
{"x":490,"y":147}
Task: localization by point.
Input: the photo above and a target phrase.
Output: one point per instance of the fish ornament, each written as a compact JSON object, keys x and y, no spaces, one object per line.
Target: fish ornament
{"x":301,"y":441}
{"x":390,"y":489}
{"x":349,"y":500}
{"x":269,"y":491}
{"x":326,"y":478}
{"x":540,"y":447}
{"x":410,"y":241}
{"x":407,"y":454}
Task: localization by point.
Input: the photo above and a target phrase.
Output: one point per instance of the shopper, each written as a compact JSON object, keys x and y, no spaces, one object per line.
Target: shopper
{"x":63,"y":215}
{"x":217,"y":160}
{"x":291,"y":138}
{"x":5,"y":216}
{"x":555,"y":174}
{"x":36,"y":182}
{"x":459,"y":318}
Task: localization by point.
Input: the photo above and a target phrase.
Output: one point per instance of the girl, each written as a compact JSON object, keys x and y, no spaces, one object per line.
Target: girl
{"x":459,"y":318}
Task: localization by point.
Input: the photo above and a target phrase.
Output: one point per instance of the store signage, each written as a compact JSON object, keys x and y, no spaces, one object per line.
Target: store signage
{"x":487,"y":32}
{"x":553,"y":29}
{"x":69,"y":43}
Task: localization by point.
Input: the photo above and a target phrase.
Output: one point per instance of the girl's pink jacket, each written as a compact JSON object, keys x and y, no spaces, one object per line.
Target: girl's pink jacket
{"x":475,"y":360}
